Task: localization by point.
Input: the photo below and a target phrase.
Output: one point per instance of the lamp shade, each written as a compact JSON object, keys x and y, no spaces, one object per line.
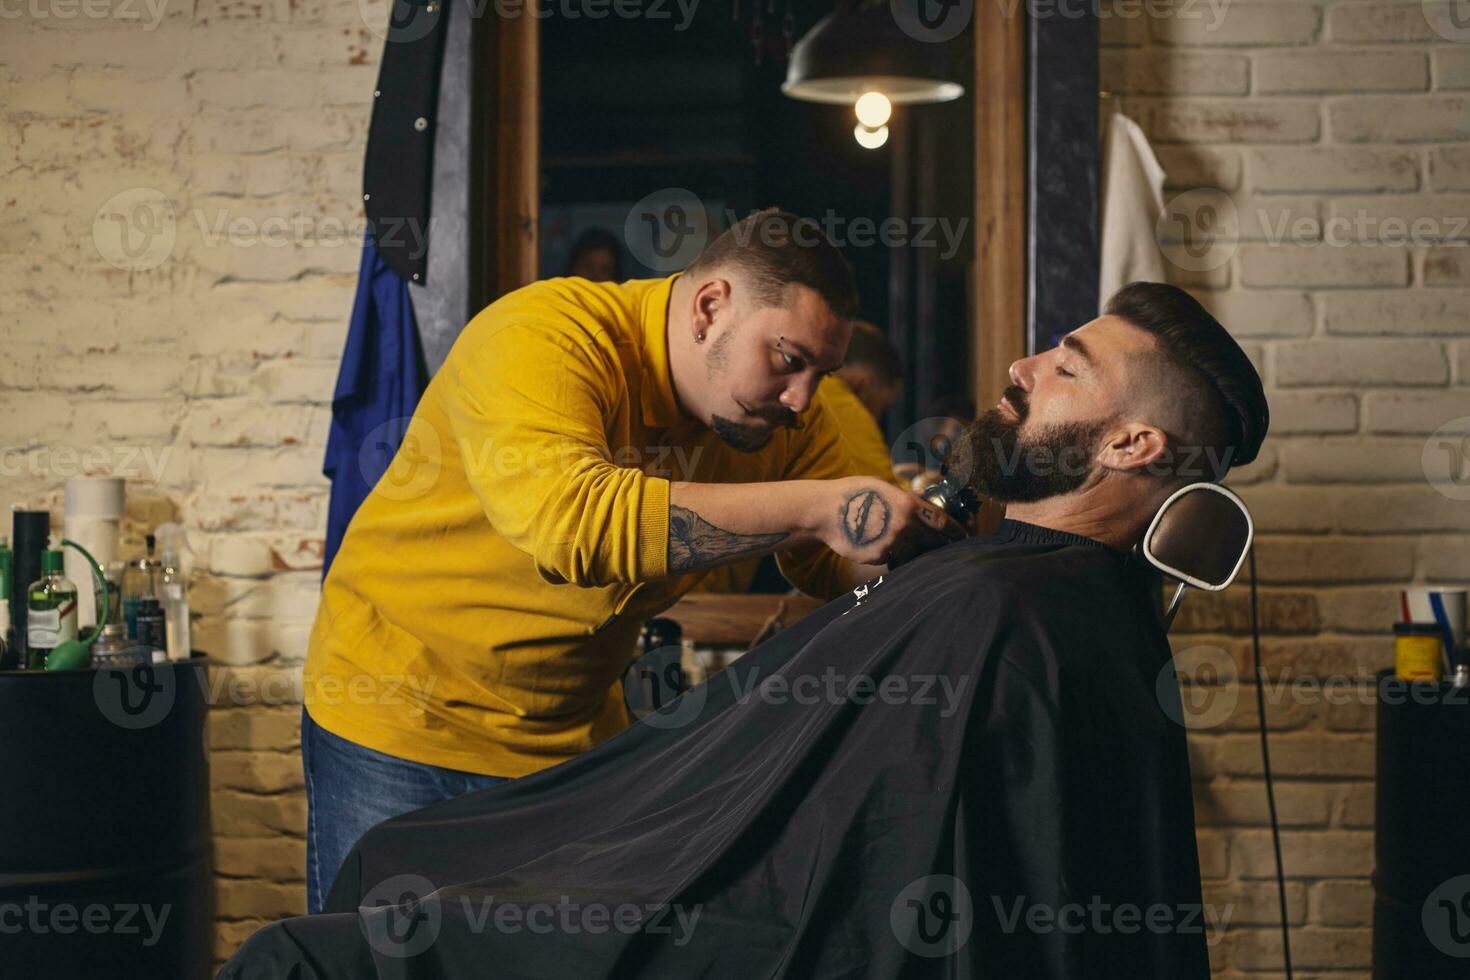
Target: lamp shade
{"x":853,"y":51}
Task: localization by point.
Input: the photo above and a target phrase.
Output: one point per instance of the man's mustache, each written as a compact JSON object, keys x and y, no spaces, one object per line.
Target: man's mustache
{"x":1016,"y":395}
{"x":783,"y":417}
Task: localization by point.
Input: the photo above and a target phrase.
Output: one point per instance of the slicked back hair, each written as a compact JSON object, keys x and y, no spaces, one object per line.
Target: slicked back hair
{"x":1218,"y":386}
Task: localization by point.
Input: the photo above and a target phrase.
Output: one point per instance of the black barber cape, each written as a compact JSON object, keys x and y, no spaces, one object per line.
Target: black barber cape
{"x":968,"y":768}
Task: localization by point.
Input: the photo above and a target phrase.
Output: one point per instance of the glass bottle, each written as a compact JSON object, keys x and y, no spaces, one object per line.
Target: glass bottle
{"x":138,"y":584}
{"x":51,"y":616}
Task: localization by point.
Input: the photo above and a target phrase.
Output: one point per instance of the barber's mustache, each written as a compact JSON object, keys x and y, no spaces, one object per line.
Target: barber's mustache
{"x":781,"y":416}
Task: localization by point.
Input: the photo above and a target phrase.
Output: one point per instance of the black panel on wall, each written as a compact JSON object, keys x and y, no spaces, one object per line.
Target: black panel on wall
{"x":1063,"y":157}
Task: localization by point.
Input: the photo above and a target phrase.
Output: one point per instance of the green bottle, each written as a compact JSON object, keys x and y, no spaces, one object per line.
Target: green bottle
{"x":51,"y":616}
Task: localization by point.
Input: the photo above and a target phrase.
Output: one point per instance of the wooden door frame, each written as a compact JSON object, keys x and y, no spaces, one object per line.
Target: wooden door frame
{"x":505,"y":146}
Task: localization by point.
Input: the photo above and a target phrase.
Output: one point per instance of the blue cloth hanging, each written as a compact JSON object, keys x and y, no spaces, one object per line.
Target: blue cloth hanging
{"x":382,"y":377}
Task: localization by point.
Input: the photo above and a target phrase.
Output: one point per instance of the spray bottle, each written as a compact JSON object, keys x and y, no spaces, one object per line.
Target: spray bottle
{"x":173,"y":590}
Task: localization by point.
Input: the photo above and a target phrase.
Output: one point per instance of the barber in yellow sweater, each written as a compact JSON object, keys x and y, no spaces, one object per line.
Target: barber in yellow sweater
{"x":586,"y":451}
{"x":868,"y":384}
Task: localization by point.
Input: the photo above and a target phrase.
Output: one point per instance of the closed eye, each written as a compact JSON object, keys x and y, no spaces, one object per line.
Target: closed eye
{"x":1064,"y":372}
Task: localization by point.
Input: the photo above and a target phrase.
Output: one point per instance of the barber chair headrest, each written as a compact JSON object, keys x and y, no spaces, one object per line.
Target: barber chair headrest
{"x":1200,"y":536}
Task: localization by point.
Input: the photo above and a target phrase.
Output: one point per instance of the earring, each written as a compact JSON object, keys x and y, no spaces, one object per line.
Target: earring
{"x":699,"y":338}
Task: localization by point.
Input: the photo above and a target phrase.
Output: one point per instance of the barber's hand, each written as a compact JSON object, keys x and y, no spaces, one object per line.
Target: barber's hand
{"x":875,"y":523}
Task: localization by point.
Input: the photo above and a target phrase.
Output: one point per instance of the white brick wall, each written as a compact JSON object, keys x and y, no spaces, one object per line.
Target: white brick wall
{"x":1350,"y":120}
{"x":202,"y":367}
{"x":203,"y":370}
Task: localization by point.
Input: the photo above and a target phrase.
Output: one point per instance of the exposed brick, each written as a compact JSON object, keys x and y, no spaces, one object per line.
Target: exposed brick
{"x":1417,"y":312}
{"x":1298,"y":754}
{"x":1323,"y":265}
{"x":1236,"y":121}
{"x":1311,"y":948}
{"x":1162,"y":72}
{"x":1399,"y":119}
{"x":1229,"y":612}
{"x":1243,"y":803}
{"x":1187,"y":167}
{"x":1319,"y":559}
{"x":248,"y":815}
{"x":1445,"y":558}
{"x":1252,"y":24}
{"x":1243,"y":904}
{"x":1343,"y":903}
{"x":297,"y":381}
{"x":1399,"y":220}
{"x":1408,"y":509}
{"x":1287,"y":509}
{"x":258,"y":728}
{"x":256,"y":772}
{"x":1336,"y":168}
{"x":1449,"y":168}
{"x":1214,"y":853}
{"x":1359,"y":805}
{"x":1292,"y":72}
{"x":239,"y":555}
{"x":1368,"y":23}
{"x":236,"y":899}
{"x":1361,"y":460}
{"x":281,"y":859}
{"x":1360,"y":362}
{"x":1305,"y":853}
{"x":1447,"y":266}
{"x":1452,"y":68}
{"x":1413,"y":411}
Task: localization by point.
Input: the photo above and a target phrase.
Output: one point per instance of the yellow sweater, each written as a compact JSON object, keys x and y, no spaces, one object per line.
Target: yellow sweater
{"x":863,"y":441}
{"x":489,"y":592}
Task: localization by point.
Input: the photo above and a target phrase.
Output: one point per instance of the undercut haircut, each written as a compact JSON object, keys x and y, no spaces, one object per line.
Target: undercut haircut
{"x":775,"y":249}
{"x":1201,"y":369}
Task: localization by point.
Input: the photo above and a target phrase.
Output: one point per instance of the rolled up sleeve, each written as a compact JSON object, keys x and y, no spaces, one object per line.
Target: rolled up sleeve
{"x":529,"y":412}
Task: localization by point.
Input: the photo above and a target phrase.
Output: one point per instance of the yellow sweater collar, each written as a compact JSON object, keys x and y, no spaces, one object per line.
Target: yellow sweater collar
{"x":660,"y":407}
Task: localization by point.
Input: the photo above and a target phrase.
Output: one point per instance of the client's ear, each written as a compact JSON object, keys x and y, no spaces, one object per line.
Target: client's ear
{"x":1133,"y":446}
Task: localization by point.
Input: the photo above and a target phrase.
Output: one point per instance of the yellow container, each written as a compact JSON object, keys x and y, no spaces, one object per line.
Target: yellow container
{"x":1418,"y":652}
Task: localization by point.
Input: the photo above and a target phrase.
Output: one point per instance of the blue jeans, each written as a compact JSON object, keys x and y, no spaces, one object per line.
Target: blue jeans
{"x":350,"y":789}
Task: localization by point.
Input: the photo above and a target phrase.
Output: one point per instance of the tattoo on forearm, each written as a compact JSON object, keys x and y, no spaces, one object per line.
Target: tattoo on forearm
{"x":865,"y":517}
{"x":696,"y":543}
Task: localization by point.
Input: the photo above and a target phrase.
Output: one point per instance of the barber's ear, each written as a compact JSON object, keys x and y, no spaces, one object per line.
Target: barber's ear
{"x":711,"y":301}
{"x":1134,"y":446}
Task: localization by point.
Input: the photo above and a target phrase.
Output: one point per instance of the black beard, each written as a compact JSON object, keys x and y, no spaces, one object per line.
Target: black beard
{"x":744,"y":438}
{"x":991,"y":458}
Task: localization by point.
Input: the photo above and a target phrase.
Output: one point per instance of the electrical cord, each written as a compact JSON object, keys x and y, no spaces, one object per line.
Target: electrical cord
{"x":1266,"y":762}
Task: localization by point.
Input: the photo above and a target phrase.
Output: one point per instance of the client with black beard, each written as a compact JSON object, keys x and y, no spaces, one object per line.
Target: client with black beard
{"x":970,"y":767}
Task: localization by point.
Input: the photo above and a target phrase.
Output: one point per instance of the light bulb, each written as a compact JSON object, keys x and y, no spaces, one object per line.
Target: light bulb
{"x":868,"y":138}
{"x":873,"y":109}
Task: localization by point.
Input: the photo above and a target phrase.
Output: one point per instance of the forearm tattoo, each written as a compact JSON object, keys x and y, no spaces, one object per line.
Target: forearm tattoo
{"x":696,"y":543}
{"x":865,"y":517}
